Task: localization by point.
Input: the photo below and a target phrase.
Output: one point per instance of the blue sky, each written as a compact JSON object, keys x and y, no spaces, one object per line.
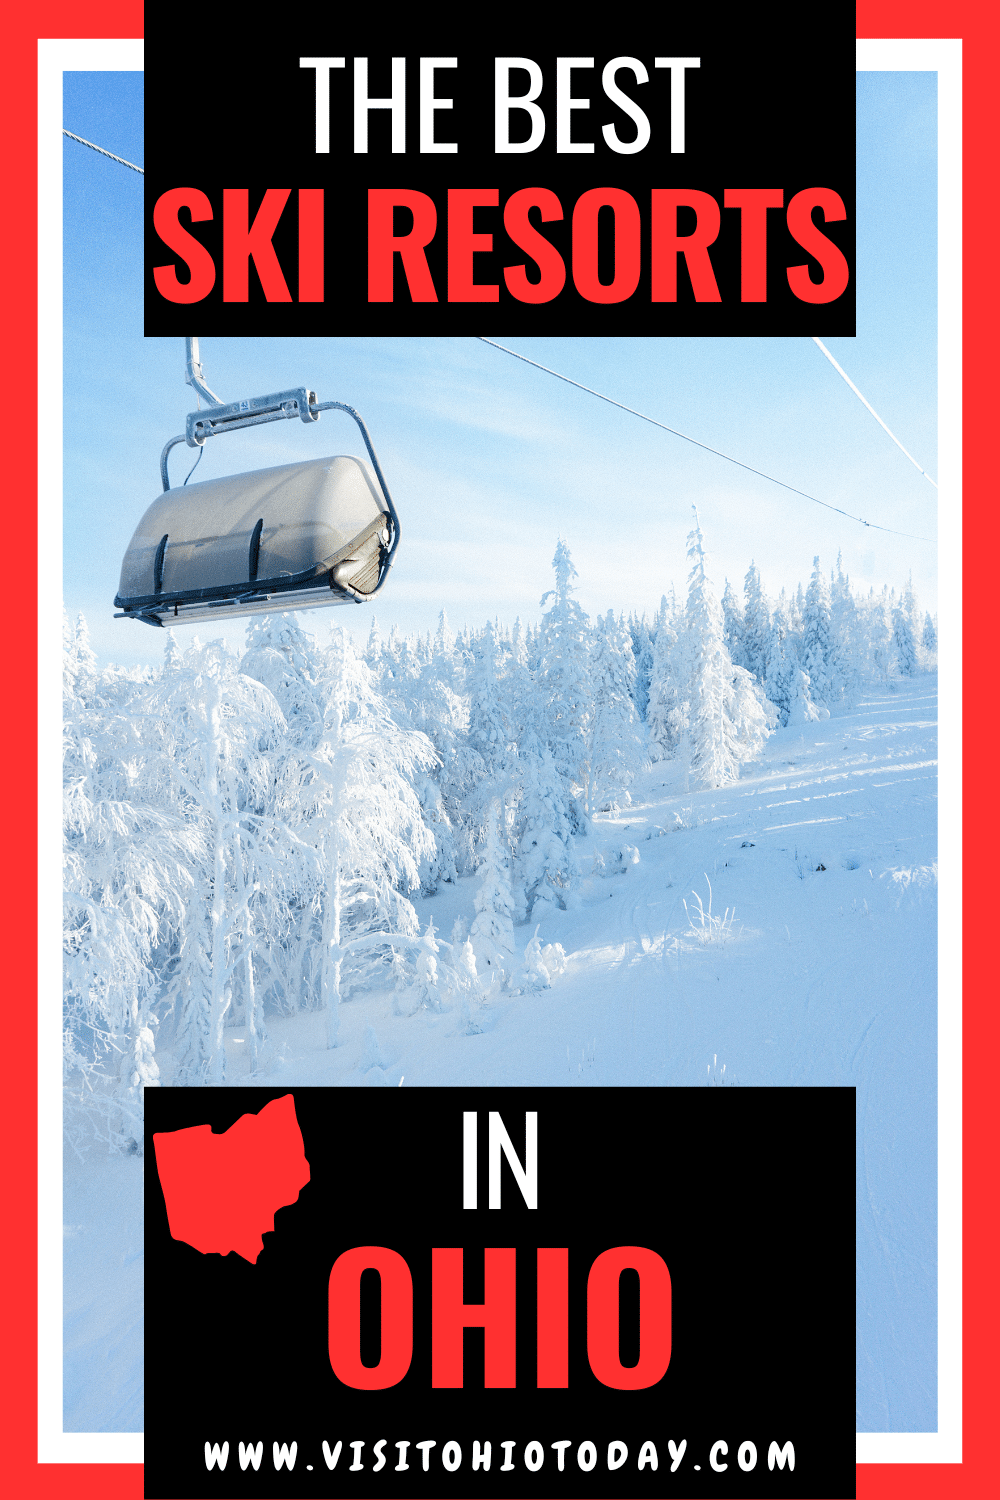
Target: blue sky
{"x":490,"y":461}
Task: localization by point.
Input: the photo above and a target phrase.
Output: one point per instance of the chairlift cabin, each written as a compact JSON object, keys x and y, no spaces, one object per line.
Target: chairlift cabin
{"x":297,"y":536}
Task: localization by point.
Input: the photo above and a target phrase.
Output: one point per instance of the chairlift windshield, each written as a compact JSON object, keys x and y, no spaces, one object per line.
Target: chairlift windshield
{"x":298,"y":536}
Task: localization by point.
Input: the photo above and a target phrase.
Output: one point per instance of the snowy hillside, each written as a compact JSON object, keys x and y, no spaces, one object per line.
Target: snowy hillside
{"x":784,"y":995}
{"x":817,"y":965}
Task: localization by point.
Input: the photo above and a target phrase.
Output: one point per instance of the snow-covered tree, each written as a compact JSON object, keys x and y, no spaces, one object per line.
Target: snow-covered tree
{"x":370,"y":829}
{"x":428,"y":985}
{"x":373,"y":651}
{"x":878,"y":638}
{"x":563,"y":678}
{"x":903,"y":641}
{"x":615,"y":741}
{"x":666,"y":714}
{"x":489,"y":730}
{"x":797,"y":610}
{"x":801,"y":708}
{"x":733,"y":625}
{"x":756,"y":625}
{"x":907,"y":630}
{"x":444,"y":639}
{"x":781,"y":665}
{"x":124,"y":884}
{"x":845,"y":671}
{"x":543,"y":874}
{"x":928,"y":637}
{"x":492,"y":931}
{"x":220,"y":733}
{"x":817,"y":643}
{"x":518,"y":646}
{"x":539,"y":966}
{"x":642,"y":650}
{"x":729,"y":719}
{"x":79,"y":661}
{"x":284,"y":658}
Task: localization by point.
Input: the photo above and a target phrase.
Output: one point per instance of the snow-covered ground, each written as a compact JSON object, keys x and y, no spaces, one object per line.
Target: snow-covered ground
{"x":824,"y":972}
{"x":102,"y":1293}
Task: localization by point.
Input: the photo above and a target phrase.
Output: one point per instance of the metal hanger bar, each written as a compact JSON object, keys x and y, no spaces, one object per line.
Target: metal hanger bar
{"x":195,"y":375}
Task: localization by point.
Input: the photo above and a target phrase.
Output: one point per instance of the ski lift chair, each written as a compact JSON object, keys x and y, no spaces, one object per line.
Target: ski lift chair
{"x":294,"y":537}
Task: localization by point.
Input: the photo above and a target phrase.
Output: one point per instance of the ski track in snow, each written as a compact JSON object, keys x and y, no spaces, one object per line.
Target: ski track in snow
{"x":828,"y":977}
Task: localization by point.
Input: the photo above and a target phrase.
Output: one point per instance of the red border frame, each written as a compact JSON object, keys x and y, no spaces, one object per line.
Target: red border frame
{"x":978,"y":24}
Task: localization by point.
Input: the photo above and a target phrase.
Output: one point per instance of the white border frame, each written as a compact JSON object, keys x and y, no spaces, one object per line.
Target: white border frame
{"x":944,"y":1446}
{"x":943,"y":57}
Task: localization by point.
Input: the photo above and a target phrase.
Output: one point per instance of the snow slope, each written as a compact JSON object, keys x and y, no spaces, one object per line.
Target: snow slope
{"x":102,"y":1294}
{"x":824,"y":854}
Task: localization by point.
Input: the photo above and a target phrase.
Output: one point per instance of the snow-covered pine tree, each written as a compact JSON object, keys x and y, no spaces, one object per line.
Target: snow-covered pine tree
{"x":615,"y":740}
{"x":291,"y":664}
{"x":729,"y":718}
{"x":518,"y":694}
{"x":781,"y":664}
{"x":79,"y":660}
{"x":928,"y":639}
{"x":844,"y":627}
{"x":533,"y":975}
{"x":642,"y":650}
{"x":438,"y":706}
{"x":518,"y":646}
{"x":563,"y":678}
{"x":223,"y":736}
{"x":543,"y":871}
{"x":373,"y":651}
{"x":801,"y":708}
{"x":903,"y":641}
{"x":409,"y":660}
{"x":489,"y":731}
{"x":501,"y":708}
{"x":733,"y":625}
{"x":709,"y":665}
{"x":785,"y":683}
{"x":492,"y":930}
{"x":125,"y":882}
{"x":428,"y":986}
{"x":539,"y":965}
{"x":797,"y":610}
{"x":666,"y":713}
{"x":430,"y":700}
{"x":907,"y":629}
{"x":444,"y":639}
{"x":756,"y":625}
{"x":284,"y":658}
{"x":459,"y":979}
{"x":879,"y":649}
{"x":817,"y":643}
{"x":371,"y":830}
{"x":620,"y":632}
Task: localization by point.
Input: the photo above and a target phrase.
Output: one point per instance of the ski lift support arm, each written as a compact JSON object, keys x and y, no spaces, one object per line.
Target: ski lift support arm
{"x":195,"y":375}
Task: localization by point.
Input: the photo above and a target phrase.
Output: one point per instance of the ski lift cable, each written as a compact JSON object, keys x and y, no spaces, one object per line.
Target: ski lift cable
{"x":194,"y":378}
{"x":872,"y":525}
{"x":822,"y":347}
{"x":101,"y":149}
